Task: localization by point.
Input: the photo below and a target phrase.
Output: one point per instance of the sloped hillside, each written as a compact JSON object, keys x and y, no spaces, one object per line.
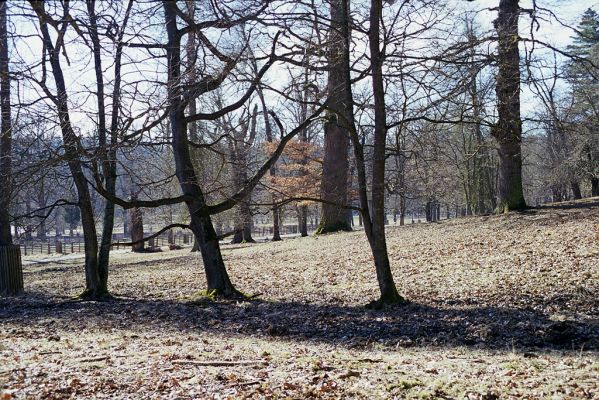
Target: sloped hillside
{"x":499,"y":305}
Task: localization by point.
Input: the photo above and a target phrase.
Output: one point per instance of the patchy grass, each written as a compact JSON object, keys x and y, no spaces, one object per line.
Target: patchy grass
{"x":501,"y":306}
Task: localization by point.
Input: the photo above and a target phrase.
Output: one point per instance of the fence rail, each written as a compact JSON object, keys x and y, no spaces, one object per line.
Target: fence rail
{"x":69,"y":246}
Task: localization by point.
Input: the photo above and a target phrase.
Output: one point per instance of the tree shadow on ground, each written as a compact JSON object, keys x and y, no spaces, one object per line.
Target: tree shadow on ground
{"x":567,"y":205}
{"x":410,"y":325}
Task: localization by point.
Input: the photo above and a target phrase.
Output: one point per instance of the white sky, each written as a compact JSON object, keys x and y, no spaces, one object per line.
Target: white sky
{"x":80,"y":76}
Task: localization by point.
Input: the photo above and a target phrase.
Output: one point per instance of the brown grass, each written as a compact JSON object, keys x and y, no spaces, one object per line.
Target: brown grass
{"x":500,"y":306}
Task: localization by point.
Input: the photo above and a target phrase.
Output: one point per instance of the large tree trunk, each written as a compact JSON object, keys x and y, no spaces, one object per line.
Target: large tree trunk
{"x":201,"y":224}
{"x":243,"y":214}
{"x":244,"y":224}
{"x":94,"y":287}
{"x":334,"y":185}
{"x":11,"y":270}
{"x":402,"y":210}
{"x":508,"y":130}
{"x":576,"y":193}
{"x":137,"y":228}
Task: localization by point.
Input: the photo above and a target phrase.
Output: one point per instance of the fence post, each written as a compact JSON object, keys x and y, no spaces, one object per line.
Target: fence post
{"x":58,"y":247}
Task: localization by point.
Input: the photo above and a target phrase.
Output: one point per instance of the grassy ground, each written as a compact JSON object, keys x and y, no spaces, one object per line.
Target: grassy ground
{"x":501,"y":307}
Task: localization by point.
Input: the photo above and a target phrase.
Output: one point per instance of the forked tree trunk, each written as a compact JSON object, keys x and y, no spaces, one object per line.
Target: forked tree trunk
{"x":94,"y":287}
{"x":244,"y":222}
{"x":334,"y":184}
{"x":508,"y":130}
{"x":201,"y":224}
{"x":107,"y":150}
{"x":374,"y":227}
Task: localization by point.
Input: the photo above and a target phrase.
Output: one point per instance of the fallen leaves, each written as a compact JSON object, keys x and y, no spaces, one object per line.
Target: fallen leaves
{"x":500,"y":306}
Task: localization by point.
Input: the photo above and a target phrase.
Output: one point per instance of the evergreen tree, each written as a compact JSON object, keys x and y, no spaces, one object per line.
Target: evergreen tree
{"x":583,"y":74}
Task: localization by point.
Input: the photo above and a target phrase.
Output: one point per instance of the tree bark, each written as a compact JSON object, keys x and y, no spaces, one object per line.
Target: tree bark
{"x":94,"y":287}
{"x":137,"y":228}
{"x":303,"y":220}
{"x":576,"y":193}
{"x":334,"y":184}
{"x":402,"y":210}
{"x":6,"y":133}
{"x":11,"y":270}
{"x":508,"y":130}
{"x":239,"y":148}
{"x":201,"y":224}
{"x":374,"y":226}
{"x":107,"y":150}
{"x":276,"y":236}
{"x":276,"y":224}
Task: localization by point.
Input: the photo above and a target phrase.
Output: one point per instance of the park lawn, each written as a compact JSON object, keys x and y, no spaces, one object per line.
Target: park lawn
{"x":500,"y":307}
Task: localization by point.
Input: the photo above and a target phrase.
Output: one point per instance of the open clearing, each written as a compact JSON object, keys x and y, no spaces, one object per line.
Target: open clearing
{"x":500,"y":306}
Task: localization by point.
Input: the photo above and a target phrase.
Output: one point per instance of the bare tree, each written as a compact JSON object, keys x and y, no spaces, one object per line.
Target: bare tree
{"x":11,"y":276}
{"x":95,"y":287}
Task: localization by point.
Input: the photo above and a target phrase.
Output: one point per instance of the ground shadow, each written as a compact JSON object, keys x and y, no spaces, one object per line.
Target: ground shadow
{"x":410,"y":325}
{"x":570,"y":205}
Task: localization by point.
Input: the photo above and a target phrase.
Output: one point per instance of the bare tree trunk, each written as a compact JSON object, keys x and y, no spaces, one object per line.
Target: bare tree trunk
{"x":276,"y":236}
{"x":594,"y":186}
{"x":125,"y":223}
{"x":11,"y":270}
{"x":334,"y":185}
{"x":303,"y":220}
{"x":576,"y":193}
{"x":137,"y":228}
{"x":107,"y":150}
{"x":95,"y":288}
{"x":239,"y":152}
{"x":375,"y":228}
{"x":508,"y":130}
{"x":276,"y":227}
{"x":201,"y":224}
{"x":402,"y":210}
